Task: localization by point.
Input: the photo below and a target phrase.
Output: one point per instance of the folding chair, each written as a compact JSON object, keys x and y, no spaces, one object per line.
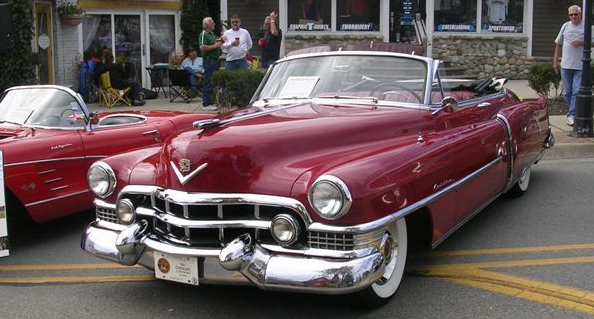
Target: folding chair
{"x":179,"y":85}
{"x":109,"y":95}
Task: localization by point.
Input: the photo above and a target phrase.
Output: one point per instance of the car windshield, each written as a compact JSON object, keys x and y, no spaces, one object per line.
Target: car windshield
{"x":363,"y":77}
{"x":46,"y":107}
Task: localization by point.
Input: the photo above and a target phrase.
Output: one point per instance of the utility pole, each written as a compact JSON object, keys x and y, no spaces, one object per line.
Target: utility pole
{"x":582,"y":126}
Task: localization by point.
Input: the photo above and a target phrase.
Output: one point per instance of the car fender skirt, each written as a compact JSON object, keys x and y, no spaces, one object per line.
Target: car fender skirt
{"x":294,"y":273}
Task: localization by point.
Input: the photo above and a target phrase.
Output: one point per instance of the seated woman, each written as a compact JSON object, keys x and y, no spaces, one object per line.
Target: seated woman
{"x":117,"y":79}
{"x":193,"y":65}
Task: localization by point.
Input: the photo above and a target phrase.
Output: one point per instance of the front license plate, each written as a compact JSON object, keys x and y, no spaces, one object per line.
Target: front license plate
{"x":182,"y":269}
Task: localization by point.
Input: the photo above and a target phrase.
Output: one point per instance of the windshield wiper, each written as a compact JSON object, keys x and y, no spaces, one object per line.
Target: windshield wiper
{"x":349,"y":97}
{"x":267,"y":99}
{"x":10,"y":122}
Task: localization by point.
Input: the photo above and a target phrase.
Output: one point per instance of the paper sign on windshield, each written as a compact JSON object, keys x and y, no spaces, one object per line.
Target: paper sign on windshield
{"x":299,"y":86}
{"x":3,"y":228}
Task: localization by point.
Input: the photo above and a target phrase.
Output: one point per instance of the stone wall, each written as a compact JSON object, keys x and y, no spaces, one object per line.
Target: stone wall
{"x":485,"y":56}
{"x":336,"y":41}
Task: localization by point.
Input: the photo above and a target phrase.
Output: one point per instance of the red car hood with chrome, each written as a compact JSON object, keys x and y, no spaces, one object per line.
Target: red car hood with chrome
{"x":266,"y":154}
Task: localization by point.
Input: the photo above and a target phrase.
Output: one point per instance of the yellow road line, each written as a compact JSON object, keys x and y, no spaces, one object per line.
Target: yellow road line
{"x":516,"y":250}
{"x":74,"y":279}
{"x":63,"y":267}
{"x":508,"y":263}
{"x":528,"y":289}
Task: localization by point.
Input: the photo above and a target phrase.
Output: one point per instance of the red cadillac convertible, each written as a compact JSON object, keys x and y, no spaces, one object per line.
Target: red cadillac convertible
{"x":319,"y":185}
{"x":49,"y":139}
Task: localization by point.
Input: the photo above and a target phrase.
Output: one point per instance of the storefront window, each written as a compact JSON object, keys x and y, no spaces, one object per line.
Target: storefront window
{"x":309,"y":15}
{"x":358,"y":15}
{"x":502,"y":15}
{"x":96,"y":35}
{"x":161,"y":31}
{"x":455,"y":15}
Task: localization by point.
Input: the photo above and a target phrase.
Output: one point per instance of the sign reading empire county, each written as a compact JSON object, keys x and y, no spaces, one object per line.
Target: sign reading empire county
{"x":3,"y":227}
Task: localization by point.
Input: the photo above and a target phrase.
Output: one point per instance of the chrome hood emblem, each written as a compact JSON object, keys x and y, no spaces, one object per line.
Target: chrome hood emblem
{"x":185,"y":167}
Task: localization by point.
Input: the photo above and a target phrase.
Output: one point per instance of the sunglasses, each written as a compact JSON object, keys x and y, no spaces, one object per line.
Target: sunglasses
{"x":574,"y":14}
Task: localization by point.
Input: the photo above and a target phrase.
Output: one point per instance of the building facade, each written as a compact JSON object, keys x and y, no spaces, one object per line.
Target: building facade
{"x":480,"y":37}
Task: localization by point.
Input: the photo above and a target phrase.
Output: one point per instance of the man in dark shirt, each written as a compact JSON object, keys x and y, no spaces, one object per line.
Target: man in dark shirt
{"x":271,"y":41}
{"x":116,"y":78}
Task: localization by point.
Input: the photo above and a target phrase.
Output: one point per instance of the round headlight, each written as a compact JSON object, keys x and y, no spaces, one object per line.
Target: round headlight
{"x":330,"y":197}
{"x":125,"y":211}
{"x":285,"y":229}
{"x":101,"y":178}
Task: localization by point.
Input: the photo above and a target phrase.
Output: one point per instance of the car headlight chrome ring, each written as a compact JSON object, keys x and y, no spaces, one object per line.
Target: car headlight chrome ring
{"x":285,"y":229}
{"x":125,"y":211}
{"x":101,"y":179}
{"x":330,"y":197}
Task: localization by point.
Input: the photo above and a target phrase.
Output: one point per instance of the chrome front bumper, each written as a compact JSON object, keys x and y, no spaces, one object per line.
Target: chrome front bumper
{"x":242,"y":261}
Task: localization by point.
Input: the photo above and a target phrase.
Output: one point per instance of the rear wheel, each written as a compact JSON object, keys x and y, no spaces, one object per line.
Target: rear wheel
{"x":395,"y":246}
{"x":521,"y":186}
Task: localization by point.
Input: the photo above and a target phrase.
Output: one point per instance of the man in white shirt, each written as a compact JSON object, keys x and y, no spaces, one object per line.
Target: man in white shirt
{"x":570,"y":45}
{"x":237,"y":43}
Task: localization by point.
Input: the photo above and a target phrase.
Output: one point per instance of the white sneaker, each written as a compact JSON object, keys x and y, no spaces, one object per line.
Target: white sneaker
{"x":570,"y":120}
{"x":210,"y":108}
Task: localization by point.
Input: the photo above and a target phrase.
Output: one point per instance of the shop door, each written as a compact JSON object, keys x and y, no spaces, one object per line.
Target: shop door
{"x":402,"y":20}
{"x":43,"y":43}
{"x":129,"y":45}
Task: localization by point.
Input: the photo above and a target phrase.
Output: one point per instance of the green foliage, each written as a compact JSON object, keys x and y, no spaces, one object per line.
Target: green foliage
{"x":235,"y":87}
{"x":15,"y":64}
{"x":214,"y":8}
{"x":69,"y":7}
{"x":192,"y":13}
{"x":542,"y":78}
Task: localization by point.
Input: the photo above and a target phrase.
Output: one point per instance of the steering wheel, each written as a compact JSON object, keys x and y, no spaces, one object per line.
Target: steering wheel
{"x":65,"y":111}
{"x":382,"y":87}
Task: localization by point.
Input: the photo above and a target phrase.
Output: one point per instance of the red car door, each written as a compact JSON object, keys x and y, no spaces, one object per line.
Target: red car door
{"x":109,"y":140}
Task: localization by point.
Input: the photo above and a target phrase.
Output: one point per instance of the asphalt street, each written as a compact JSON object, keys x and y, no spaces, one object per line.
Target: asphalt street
{"x":530,"y":257}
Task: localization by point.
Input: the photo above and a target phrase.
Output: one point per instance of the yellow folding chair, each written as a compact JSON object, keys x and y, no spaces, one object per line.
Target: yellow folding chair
{"x":109,"y":95}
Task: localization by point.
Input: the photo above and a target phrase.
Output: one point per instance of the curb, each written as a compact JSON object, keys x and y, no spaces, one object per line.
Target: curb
{"x":569,"y":151}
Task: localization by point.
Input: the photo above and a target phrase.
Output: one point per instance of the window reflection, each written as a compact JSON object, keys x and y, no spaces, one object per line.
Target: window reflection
{"x":162,"y":37}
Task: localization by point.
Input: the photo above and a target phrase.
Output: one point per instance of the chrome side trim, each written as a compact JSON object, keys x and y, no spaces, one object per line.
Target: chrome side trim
{"x":510,"y":141}
{"x":46,"y":172}
{"x":58,"y":188}
{"x":55,"y":198}
{"x":53,"y":180}
{"x":75,"y":158}
{"x":373,"y":225}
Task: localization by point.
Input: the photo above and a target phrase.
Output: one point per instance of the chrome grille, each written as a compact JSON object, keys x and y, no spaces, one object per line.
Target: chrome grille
{"x":106,"y":214}
{"x":225,"y":219}
{"x":332,"y":241}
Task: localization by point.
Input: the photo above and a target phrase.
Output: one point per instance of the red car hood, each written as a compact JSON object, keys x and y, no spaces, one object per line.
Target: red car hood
{"x":267,"y":153}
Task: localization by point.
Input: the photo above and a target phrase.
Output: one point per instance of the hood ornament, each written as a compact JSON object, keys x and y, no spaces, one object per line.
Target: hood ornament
{"x":185,"y":166}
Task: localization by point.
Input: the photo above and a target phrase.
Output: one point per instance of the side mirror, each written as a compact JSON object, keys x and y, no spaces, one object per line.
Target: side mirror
{"x":94,"y":118}
{"x":449,"y":104}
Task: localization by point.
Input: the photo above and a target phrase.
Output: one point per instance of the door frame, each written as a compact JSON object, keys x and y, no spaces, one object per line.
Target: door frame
{"x":50,"y":33}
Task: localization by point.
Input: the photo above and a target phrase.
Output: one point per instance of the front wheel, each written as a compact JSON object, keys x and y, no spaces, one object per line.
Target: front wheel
{"x":395,"y":245}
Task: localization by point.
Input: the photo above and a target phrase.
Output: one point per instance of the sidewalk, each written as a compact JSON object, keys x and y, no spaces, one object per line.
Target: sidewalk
{"x":566,"y":146}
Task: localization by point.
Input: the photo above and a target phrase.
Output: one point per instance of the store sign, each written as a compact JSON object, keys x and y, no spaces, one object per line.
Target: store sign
{"x":357,"y":26}
{"x":309,"y":27}
{"x":502,"y":28}
{"x":3,"y":227}
{"x":456,"y":27}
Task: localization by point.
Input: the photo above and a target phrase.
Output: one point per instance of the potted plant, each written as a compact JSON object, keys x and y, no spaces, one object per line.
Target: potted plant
{"x":71,"y":13}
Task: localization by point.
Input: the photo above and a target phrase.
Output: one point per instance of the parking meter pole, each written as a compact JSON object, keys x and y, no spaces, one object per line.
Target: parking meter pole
{"x":583,"y":120}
